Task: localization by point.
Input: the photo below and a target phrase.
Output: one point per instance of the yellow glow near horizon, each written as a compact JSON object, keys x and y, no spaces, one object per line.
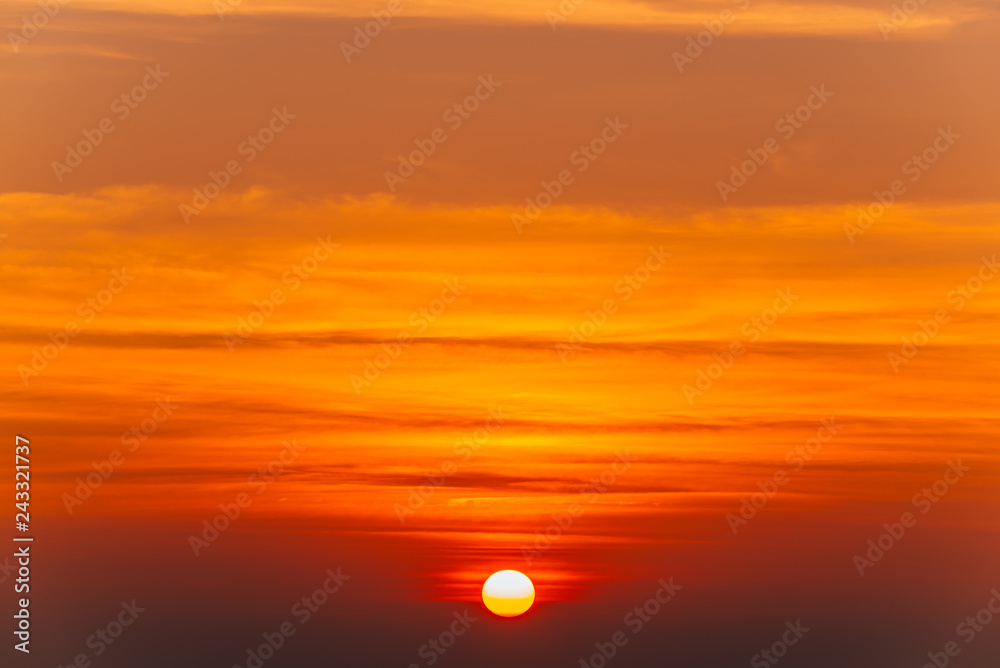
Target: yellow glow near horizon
{"x":832,"y":18}
{"x":508,"y":593}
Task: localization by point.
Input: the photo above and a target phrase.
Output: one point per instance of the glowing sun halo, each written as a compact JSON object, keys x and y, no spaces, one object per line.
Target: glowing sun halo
{"x":508,"y":593}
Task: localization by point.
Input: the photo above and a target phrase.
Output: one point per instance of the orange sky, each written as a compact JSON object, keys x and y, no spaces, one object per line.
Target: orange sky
{"x":346,"y":264}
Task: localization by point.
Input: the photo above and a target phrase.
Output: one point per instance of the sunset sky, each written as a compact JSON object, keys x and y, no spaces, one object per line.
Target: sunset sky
{"x":496,"y":261}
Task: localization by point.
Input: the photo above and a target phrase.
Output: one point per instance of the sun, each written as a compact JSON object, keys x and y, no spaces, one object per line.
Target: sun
{"x":508,"y":593}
